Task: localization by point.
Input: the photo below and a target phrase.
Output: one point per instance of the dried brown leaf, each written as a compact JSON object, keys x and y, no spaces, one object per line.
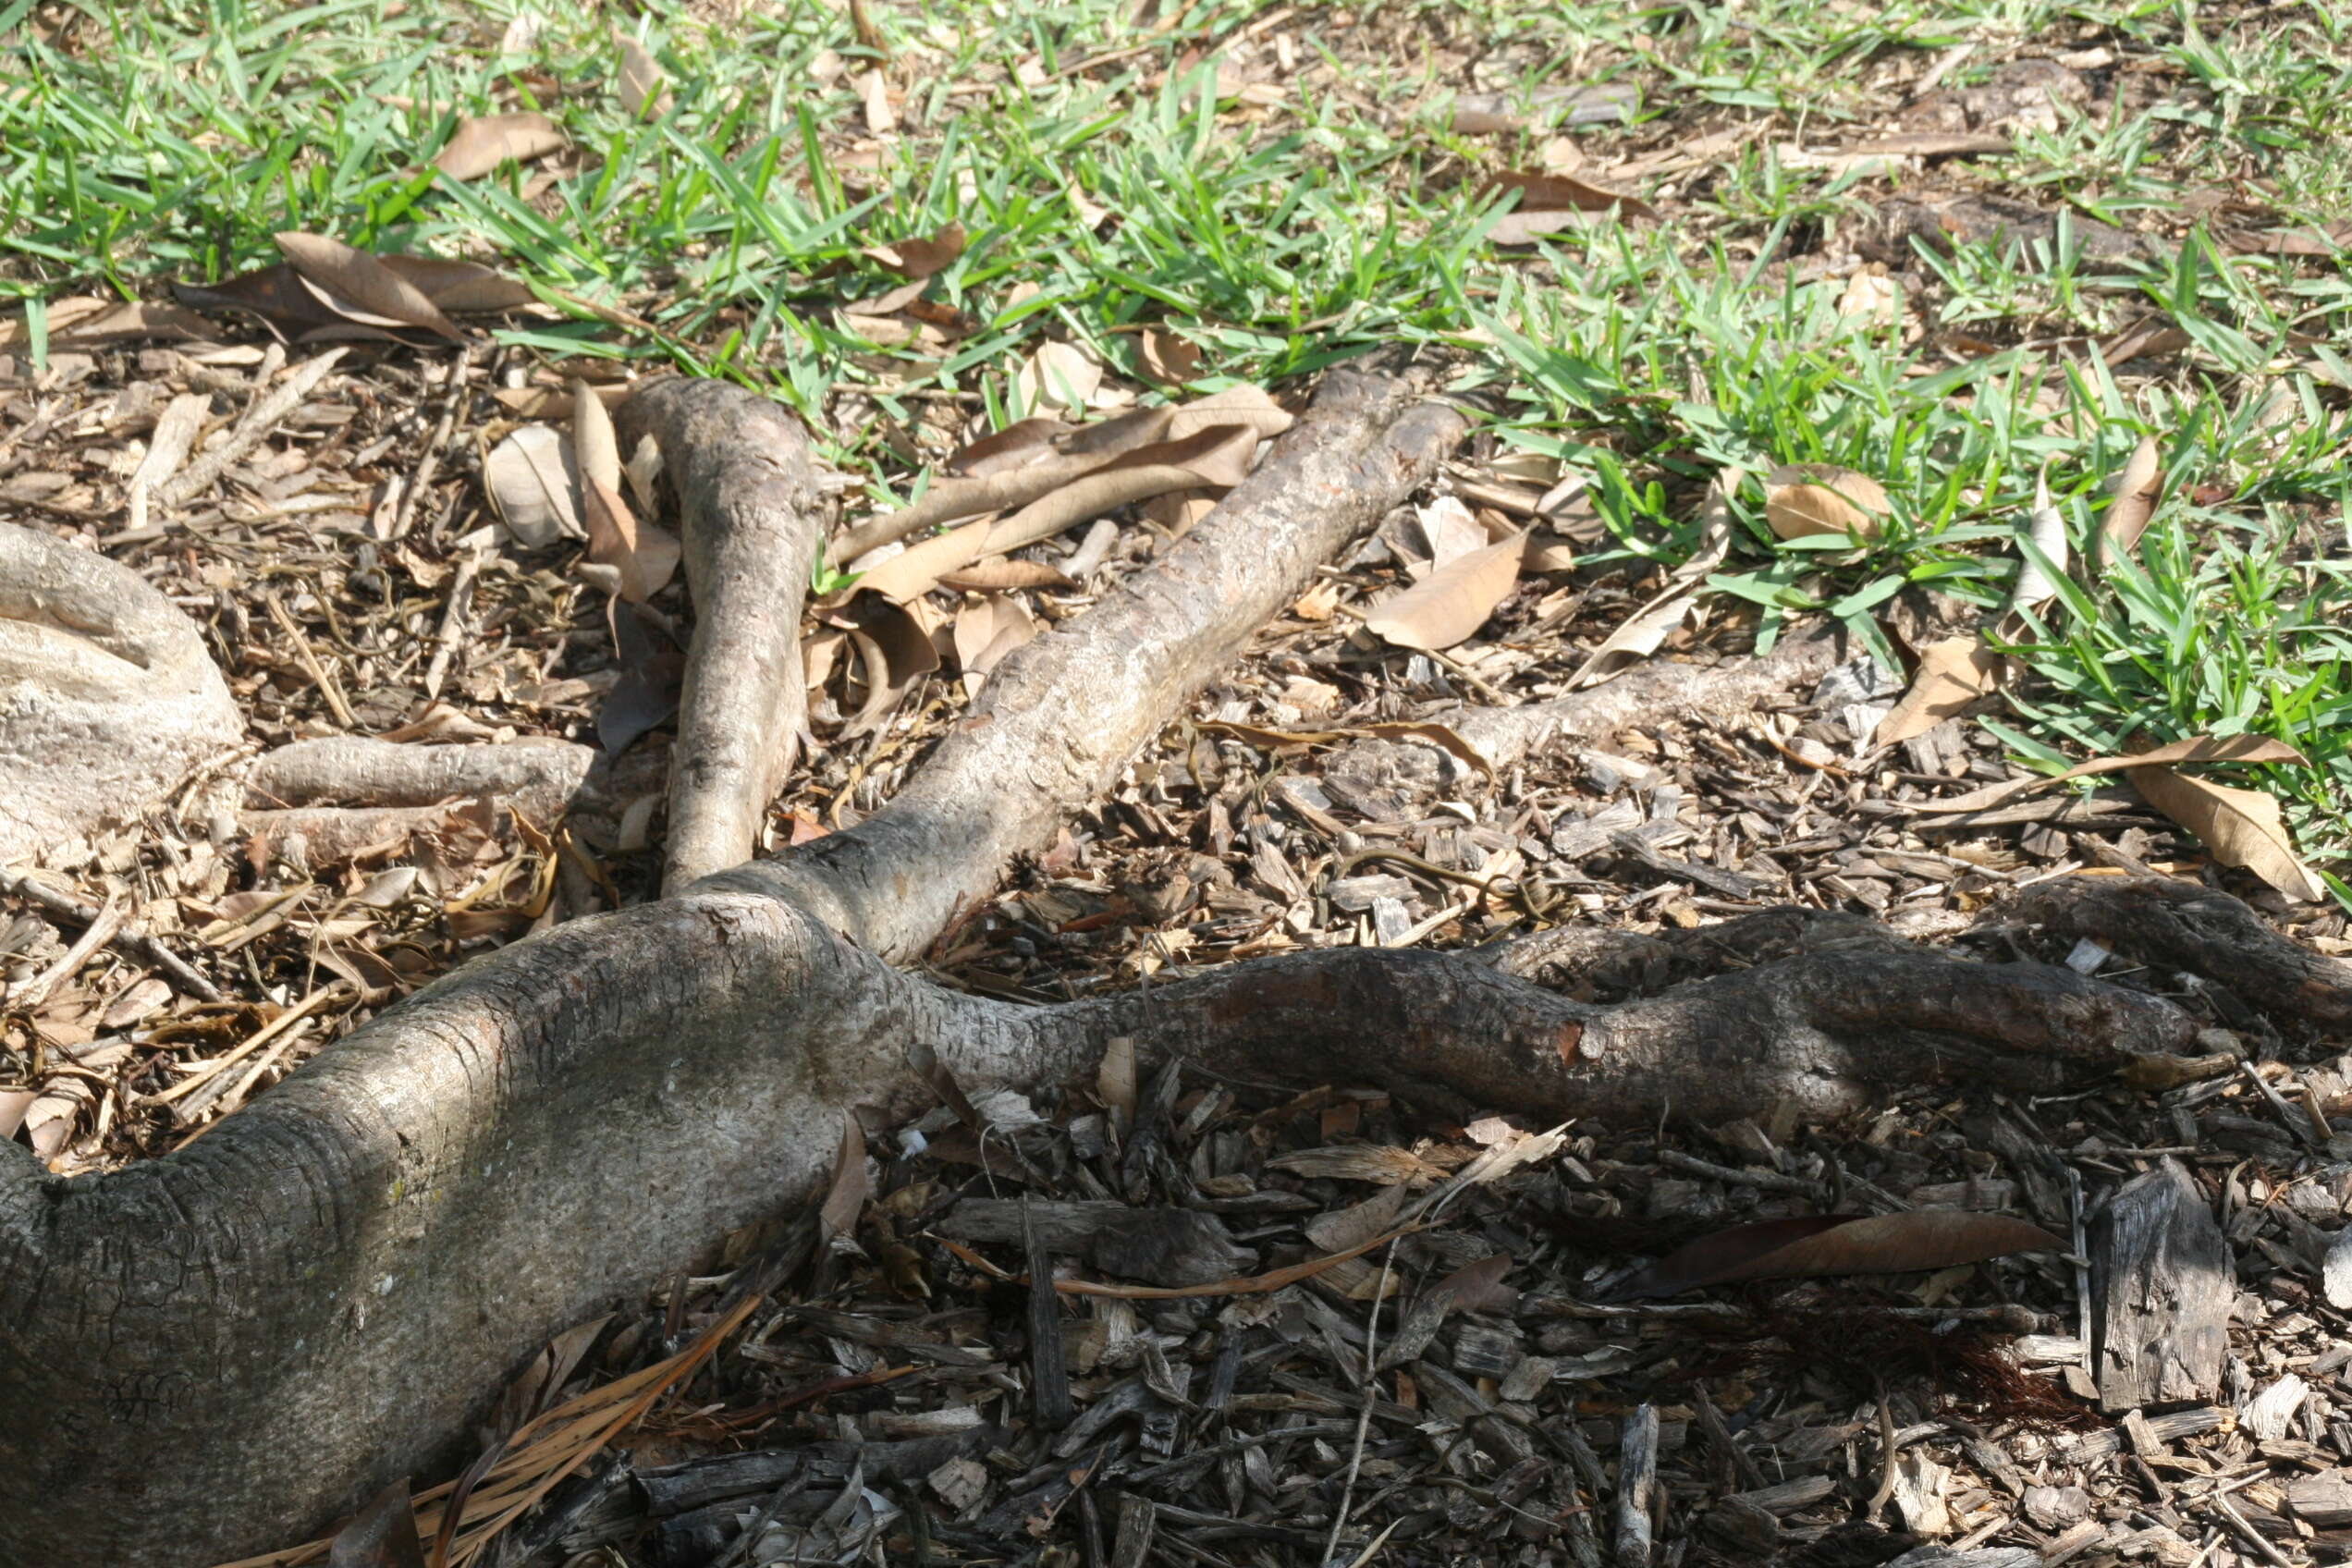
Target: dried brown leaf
{"x":361,"y":287}
{"x":2133,"y":502}
{"x":1908,"y":1242}
{"x":1565,"y":192}
{"x":1952,"y":673}
{"x":845,"y":1198}
{"x":2196,"y":748}
{"x":1016,"y":446}
{"x":2241,"y":827}
{"x":1804,"y":498}
{"x":461,"y":288}
{"x":873,"y":94}
{"x":482,"y":142}
{"x":921,"y":258}
{"x":1059,"y":375}
{"x":640,"y":79}
{"x":85,"y":321}
{"x":1167,"y":358}
{"x":1453,"y":601}
{"x":534,"y":484}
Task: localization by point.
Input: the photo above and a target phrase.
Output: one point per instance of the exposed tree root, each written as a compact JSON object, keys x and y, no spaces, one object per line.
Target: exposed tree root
{"x":107,"y":697}
{"x":218,"y":1350}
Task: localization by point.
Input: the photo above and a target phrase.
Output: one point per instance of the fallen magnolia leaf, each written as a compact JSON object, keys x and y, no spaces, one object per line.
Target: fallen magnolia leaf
{"x":987,"y":630}
{"x":1059,"y":375}
{"x":1908,"y":1242}
{"x":640,"y":81}
{"x":461,"y":288}
{"x":1639,"y":634}
{"x":1018,"y":444}
{"x":920,"y":258}
{"x":482,"y":142}
{"x":895,"y":643}
{"x":1550,"y":201}
{"x":360,"y":287}
{"x":874,"y":95}
{"x":1166,"y":357}
{"x":1453,"y":601}
{"x":1952,"y":673}
{"x":533,"y":483}
{"x":2132,"y":502}
{"x":2241,"y":827}
{"x":1808,"y":498}
{"x":82,"y":321}
{"x":2196,"y":748}
{"x":645,"y":555}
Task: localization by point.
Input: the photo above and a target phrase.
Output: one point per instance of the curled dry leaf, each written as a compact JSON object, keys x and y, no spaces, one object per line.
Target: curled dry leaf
{"x":920,"y":258}
{"x":2133,"y":502}
{"x":482,"y":142}
{"x":873,"y":94}
{"x":2046,"y":526}
{"x":533,"y":483}
{"x":1167,"y":358}
{"x":2196,"y":748}
{"x":1016,"y":446}
{"x":645,"y":555}
{"x":360,"y":287}
{"x":1453,"y":601}
{"x":985,"y":631}
{"x":639,"y":81}
{"x":83,"y":321}
{"x":845,"y":1198}
{"x":461,"y":288}
{"x":1952,"y":673}
{"x":2241,"y":827}
{"x":1059,"y":375}
{"x":1806,"y":498}
{"x":1838,"y":1243}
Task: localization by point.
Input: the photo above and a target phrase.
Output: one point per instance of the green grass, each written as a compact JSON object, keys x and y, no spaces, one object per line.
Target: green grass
{"x":1349,"y":219}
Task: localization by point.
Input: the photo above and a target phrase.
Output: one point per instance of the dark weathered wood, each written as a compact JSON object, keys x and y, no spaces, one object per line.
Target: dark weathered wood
{"x":1636,"y":1478}
{"x":2162,"y":1284}
{"x":2324,"y":1500}
{"x":1049,"y":1357}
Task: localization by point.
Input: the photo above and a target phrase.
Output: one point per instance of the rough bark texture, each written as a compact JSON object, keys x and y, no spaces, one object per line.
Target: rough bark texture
{"x":540,"y":777}
{"x":1053,"y":726}
{"x":751,"y":526}
{"x":2188,"y":928}
{"x":2162,"y":1283}
{"x":107,"y":697}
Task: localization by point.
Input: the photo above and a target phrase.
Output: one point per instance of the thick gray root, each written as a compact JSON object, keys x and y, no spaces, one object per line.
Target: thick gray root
{"x":752,"y":525}
{"x":345,"y":1270}
{"x":107,"y":696}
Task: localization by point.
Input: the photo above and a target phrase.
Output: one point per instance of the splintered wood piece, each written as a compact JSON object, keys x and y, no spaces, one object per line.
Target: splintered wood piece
{"x":1637,"y":1476}
{"x":2162,"y":1284}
